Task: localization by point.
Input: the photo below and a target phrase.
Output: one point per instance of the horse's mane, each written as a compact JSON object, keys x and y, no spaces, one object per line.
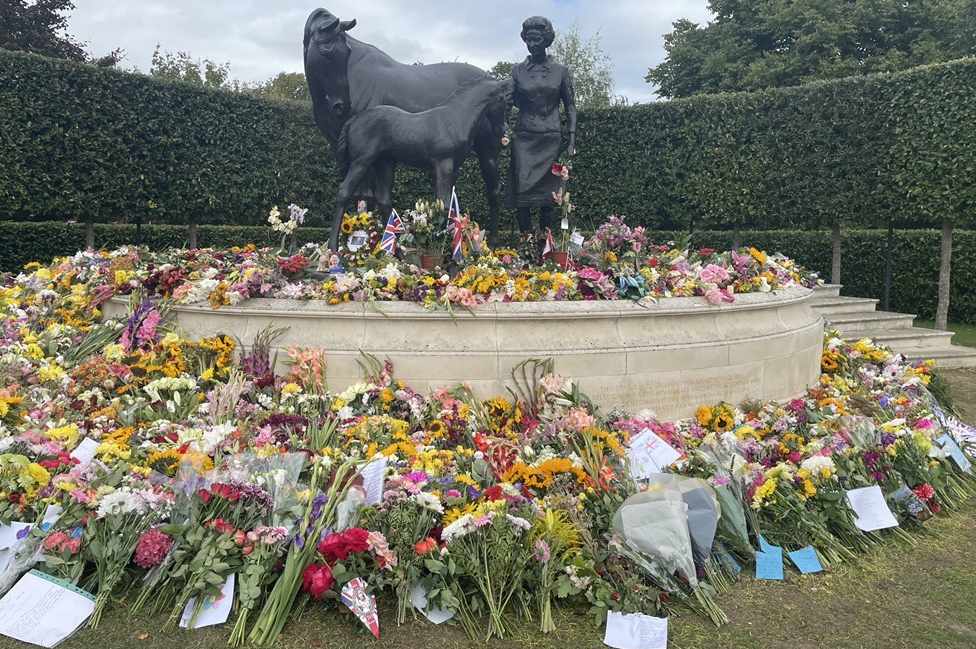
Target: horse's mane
{"x":468,"y":85}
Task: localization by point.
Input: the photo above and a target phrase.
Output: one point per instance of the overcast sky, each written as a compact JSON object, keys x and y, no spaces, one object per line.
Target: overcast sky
{"x":261,"y":38}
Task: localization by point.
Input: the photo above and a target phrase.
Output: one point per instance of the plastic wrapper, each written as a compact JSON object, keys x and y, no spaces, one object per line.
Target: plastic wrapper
{"x":673,"y":523}
{"x":24,"y":554}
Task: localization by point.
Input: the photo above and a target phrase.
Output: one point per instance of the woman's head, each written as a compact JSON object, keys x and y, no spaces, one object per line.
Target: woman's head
{"x":540,"y":25}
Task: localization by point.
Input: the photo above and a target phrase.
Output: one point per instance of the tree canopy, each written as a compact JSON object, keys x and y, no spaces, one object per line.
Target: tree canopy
{"x":39,"y":27}
{"x":183,"y":67}
{"x":754,"y":45}
{"x":284,"y":85}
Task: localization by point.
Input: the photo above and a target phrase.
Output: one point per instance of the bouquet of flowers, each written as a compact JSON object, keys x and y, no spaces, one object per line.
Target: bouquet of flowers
{"x":422,"y":225}
{"x":491,"y":547}
{"x":359,"y":238}
{"x":120,"y":516}
{"x":406,"y":519}
{"x":287,"y":227}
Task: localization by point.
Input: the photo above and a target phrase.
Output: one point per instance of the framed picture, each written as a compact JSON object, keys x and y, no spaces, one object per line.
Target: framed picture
{"x":356,"y":240}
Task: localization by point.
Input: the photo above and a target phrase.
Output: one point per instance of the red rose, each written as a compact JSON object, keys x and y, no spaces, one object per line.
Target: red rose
{"x":317,"y":579}
{"x":356,"y":538}
{"x":333,"y":547}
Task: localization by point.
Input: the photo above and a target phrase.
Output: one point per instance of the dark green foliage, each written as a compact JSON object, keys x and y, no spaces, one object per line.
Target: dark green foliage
{"x":92,"y":144}
{"x":83,"y":143}
{"x":778,"y":43}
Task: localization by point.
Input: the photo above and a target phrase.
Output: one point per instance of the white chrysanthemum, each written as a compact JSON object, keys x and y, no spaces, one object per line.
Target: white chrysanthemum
{"x":518,"y":522}
{"x":818,"y":462}
{"x":429,"y":501}
{"x":121,"y":501}
{"x":457,"y":529}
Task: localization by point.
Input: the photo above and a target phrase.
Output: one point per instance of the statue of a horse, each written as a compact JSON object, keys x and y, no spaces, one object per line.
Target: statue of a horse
{"x":438,"y":139}
{"x":346,"y":76}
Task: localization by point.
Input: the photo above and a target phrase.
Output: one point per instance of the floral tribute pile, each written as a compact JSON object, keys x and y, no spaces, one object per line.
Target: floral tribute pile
{"x":617,"y":262}
{"x":152,"y":467}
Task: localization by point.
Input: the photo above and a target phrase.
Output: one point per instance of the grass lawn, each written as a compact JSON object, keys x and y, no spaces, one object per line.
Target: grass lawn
{"x":913,"y":597}
{"x":965,"y":333}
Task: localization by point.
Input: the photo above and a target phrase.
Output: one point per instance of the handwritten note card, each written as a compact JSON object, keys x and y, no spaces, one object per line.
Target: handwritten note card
{"x":649,"y":454}
{"x":85,"y":451}
{"x":374,"y":474}
{"x":870,"y":508}
{"x":43,"y":610}
{"x":636,"y":631}
{"x":10,"y":532}
{"x":806,"y":560}
{"x":769,"y":561}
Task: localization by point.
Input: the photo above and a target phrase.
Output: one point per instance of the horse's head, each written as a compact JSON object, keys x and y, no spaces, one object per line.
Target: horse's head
{"x":327,"y":61}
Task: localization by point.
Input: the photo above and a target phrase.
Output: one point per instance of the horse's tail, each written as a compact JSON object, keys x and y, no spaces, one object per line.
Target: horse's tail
{"x":342,"y":150}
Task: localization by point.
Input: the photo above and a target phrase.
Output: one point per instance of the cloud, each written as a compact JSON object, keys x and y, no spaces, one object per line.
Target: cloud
{"x":261,"y":39}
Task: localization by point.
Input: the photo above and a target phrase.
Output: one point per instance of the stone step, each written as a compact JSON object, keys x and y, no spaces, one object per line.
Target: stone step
{"x":949,"y":357}
{"x":829,"y":305}
{"x":827,"y":290}
{"x":908,"y":338}
{"x":855,"y":322}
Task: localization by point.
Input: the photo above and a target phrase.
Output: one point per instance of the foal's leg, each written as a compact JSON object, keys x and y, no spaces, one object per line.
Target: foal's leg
{"x":488,"y":161}
{"x":383,"y":170}
{"x":357,"y":169}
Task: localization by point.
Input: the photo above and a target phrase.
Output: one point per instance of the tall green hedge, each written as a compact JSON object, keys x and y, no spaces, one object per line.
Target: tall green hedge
{"x":93,"y":144}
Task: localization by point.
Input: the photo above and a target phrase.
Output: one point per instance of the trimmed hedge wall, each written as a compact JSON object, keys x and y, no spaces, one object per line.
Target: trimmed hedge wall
{"x":915,"y":266}
{"x":87,"y":143}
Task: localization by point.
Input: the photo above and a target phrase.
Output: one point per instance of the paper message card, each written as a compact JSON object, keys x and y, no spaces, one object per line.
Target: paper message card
{"x":870,"y":508}
{"x":374,"y":474}
{"x":51,"y":515}
{"x":418,"y":596}
{"x":636,"y":631}
{"x":649,"y":454}
{"x":955,"y":452}
{"x":85,"y":451}
{"x":43,"y":610}
{"x":726,"y":559}
{"x":10,"y":532}
{"x":806,"y":560}
{"x":769,"y":561}
{"x":216,"y":609}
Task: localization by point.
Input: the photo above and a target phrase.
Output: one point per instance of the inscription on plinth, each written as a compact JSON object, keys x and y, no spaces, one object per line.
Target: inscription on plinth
{"x":673,"y":396}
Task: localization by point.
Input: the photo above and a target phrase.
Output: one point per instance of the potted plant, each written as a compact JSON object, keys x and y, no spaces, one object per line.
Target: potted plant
{"x":423,"y":234}
{"x":560,"y":253}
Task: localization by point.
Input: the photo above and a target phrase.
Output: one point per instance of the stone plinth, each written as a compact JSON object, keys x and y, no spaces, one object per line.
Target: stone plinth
{"x":669,"y":357}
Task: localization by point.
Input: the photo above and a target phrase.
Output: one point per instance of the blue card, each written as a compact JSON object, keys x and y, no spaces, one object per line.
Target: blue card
{"x":769,"y":561}
{"x":805,"y":559}
{"x":730,"y":561}
{"x":954,"y":451}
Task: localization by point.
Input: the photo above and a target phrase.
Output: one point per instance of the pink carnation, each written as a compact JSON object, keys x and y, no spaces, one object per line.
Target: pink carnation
{"x":715,"y":274}
{"x":151,"y":548}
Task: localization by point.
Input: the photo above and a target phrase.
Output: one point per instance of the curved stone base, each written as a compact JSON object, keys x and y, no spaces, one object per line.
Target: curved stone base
{"x":670,"y":357}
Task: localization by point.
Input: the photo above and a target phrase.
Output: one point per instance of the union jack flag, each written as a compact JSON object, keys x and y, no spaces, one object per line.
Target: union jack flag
{"x":394,"y":226}
{"x":454,"y":226}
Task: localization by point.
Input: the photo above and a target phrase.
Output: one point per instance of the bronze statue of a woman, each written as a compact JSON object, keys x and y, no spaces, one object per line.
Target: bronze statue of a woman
{"x":541,"y":84}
